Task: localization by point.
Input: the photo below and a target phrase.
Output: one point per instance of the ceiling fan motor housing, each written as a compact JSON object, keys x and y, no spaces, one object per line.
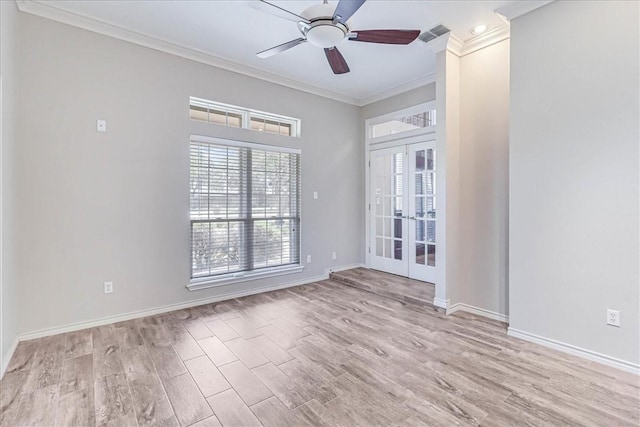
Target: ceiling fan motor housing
{"x":322,"y":30}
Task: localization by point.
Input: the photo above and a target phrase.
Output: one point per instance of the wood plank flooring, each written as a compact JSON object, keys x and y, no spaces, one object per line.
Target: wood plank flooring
{"x":388,"y":285}
{"x":322,"y":354}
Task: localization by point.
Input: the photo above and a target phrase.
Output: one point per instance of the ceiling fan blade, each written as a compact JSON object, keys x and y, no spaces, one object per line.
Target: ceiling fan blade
{"x":386,"y":36}
{"x":346,"y":8}
{"x":336,"y":60}
{"x":272,"y":9}
{"x":280,"y":48}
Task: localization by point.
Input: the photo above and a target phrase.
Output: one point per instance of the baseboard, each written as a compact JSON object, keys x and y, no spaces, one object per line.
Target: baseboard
{"x":6,"y":358}
{"x":159,"y":310}
{"x":576,"y":351}
{"x":479,"y":311}
{"x":344,"y":267}
{"x":442,"y":303}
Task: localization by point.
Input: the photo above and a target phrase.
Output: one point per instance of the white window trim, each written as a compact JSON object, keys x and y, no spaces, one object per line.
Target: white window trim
{"x":416,"y":109}
{"x":243,"y":144}
{"x":245,"y":276}
{"x":247,"y":113}
{"x":232,"y":278}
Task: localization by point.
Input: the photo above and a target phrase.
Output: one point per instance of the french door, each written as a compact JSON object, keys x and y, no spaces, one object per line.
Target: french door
{"x":402,"y":215}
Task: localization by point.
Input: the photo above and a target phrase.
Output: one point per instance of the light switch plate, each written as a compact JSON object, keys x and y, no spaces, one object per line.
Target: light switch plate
{"x":101,"y":125}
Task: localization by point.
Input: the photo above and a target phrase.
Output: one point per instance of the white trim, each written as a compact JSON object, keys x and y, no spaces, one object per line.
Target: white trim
{"x":244,"y":276}
{"x":487,"y":39}
{"x":442,"y":303}
{"x":446,"y":42}
{"x":6,"y":358}
{"x":634,"y":368}
{"x":163,"y":309}
{"x":519,"y":8}
{"x":478,"y":311}
{"x":243,"y":144}
{"x":343,"y":268}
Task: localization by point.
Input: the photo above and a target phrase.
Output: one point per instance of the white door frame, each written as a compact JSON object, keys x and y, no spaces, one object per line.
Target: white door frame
{"x":427,"y":134}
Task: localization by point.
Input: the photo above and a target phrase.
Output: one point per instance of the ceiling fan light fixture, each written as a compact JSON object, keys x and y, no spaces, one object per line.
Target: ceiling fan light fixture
{"x":325,"y":34}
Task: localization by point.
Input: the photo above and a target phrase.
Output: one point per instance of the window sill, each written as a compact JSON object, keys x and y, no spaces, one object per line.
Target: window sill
{"x":231,"y":278}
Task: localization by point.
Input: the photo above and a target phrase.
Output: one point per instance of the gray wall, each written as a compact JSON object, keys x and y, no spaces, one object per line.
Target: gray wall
{"x":481,"y":261}
{"x":113,"y":206}
{"x":8,"y":294}
{"x":403,"y":100}
{"x":573,"y":199}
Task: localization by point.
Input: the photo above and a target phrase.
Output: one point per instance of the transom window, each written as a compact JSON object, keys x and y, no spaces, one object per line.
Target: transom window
{"x":244,"y":207}
{"x":239,"y":117}
{"x":410,"y":121}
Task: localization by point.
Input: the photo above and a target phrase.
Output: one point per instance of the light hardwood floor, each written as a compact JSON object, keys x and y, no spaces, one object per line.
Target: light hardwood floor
{"x":388,"y":285}
{"x":323,"y":354}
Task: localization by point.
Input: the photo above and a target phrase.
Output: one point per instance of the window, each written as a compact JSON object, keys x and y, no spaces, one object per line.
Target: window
{"x":413,"y":120}
{"x":245,"y":208}
{"x":239,"y":117}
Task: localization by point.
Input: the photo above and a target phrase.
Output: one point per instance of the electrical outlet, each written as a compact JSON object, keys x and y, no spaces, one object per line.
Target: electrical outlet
{"x":108,"y":287}
{"x":613,"y":317}
{"x":308,"y":259}
{"x":334,"y":255}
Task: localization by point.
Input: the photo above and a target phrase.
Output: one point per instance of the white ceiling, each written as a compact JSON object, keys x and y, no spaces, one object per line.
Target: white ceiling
{"x":235,"y":31}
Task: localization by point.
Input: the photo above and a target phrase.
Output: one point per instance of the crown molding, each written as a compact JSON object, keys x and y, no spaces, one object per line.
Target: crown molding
{"x":448,"y":42}
{"x":44,"y":10}
{"x":519,"y":8}
{"x":405,"y":87}
{"x":494,"y":36}
{"x":453,"y":44}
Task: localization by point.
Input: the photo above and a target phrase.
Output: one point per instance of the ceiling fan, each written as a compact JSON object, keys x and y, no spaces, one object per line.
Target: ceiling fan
{"x":324,"y":27}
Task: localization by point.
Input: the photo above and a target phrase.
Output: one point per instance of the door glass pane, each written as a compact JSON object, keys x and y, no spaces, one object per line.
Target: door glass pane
{"x":386,"y":208}
{"x":431,"y":159}
{"x":419,"y":231}
{"x":421,"y":183}
{"x":387,"y":227}
{"x":420,"y":253}
{"x":420,"y":160}
{"x":397,"y":228}
{"x":387,"y":248}
{"x":431,"y":255}
{"x":431,"y":207}
{"x":397,"y":246}
{"x":378,"y":206}
{"x":431,"y":231}
{"x":397,"y":163}
{"x":420,"y":205}
{"x":397,"y":206}
{"x":378,"y":226}
{"x":431,"y":183}
{"x":379,"y":246}
{"x":397,"y":185}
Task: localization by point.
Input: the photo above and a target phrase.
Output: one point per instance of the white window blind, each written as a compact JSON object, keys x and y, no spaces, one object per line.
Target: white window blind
{"x":245,"y":208}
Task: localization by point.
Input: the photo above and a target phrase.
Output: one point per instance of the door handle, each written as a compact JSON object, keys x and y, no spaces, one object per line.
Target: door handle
{"x":412,"y":217}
